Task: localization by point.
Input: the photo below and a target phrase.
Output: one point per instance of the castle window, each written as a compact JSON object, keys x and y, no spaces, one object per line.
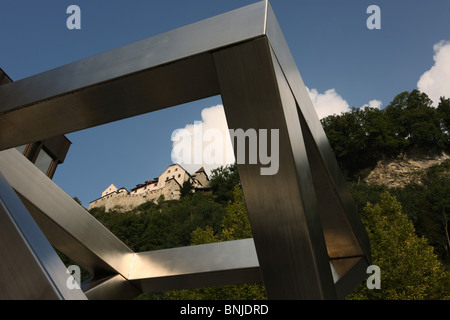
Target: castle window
{"x":179,"y":175}
{"x":43,"y":161}
{"x":22,"y":148}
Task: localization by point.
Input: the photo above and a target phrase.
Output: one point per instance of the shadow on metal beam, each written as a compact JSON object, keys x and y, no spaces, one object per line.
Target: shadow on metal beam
{"x":301,"y":216}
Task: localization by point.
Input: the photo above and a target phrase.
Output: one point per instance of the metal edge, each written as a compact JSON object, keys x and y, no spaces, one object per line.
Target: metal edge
{"x":28,"y":181}
{"x":42,"y":275}
{"x":262,"y":105}
{"x":114,"y":287}
{"x":284,"y":57}
{"x":234,"y":26}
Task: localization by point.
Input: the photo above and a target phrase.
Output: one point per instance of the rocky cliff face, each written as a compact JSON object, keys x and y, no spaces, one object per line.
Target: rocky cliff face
{"x":405,"y":169}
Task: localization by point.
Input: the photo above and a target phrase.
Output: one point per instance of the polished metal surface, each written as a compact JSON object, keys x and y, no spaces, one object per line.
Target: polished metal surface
{"x":29,"y":267}
{"x":155,"y":73}
{"x":285,"y":224}
{"x":337,"y":210}
{"x":4,"y":78}
{"x":207,"y":265}
{"x":309,"y":242}
{"x":112,"y":287}
{"x":67,"y":225}
{"x":56,"y":147}
{"x":348,"y":274}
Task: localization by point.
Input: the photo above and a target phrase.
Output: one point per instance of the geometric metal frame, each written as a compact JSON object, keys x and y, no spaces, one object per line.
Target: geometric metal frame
{"x":56,"y":148}
{"x":308,"y":240}
{"x":29,"y":268}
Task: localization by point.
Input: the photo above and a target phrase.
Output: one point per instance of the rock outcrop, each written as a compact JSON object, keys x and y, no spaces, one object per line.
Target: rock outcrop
{"x":405,"y":169}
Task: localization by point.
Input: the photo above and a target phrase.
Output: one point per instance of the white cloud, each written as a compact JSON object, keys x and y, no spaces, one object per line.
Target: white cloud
{"x":205,"y":143}
{"x":373,"y":104}
{"x":436,"y":81}
{"x":328,"y":103}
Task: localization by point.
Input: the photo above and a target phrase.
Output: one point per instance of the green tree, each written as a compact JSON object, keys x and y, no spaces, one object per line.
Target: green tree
{"x":205,"y":212}
{"x":415,"y":121}
{"x":438,"y":195}
{"x":78,"y":201}
{"x":222,"y":181}
{"x":346,"y":136}
{"x":235,"y":226}
{"x":186,"y":189}
{"x":409,"y":267}
{"x":443,"y":111}
{"x":203,"y":236}
{"x":362,"y":193}
{"x":379,"y":140}
{"x":363,"y":136}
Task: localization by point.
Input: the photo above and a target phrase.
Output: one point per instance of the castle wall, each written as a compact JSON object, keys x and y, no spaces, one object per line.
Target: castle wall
{"x":173,"y":172}
{"x":202,"y":178}
{"x":125,"y":202}
{"x":169,"y":184}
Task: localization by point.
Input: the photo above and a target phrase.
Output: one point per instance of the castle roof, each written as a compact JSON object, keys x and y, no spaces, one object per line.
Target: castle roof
{"x":200,"y":170}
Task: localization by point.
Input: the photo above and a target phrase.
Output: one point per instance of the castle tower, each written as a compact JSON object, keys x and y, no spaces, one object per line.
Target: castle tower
{"x":112,"y":188}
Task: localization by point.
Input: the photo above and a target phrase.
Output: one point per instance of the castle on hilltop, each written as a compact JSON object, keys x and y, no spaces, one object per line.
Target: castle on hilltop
{"x":168,"y":185}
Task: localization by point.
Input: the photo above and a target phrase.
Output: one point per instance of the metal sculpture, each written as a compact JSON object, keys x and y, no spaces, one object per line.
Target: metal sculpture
{"x":308,"y":242}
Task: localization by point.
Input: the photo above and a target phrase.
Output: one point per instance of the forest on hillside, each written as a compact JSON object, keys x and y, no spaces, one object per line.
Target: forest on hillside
{"x":407,"y":227}
{"x":363,"y":136}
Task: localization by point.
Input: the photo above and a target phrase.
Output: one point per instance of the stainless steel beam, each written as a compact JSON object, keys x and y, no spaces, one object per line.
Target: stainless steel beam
{"x":207,"y":265}
{"x":301,"y":217}
{"x":349,"y":274}
{"x":113,"y":287}
{"x":29,"y":267}
{"x":67,"y":225}
{"x":343,"y":229}
{"x":161,"y":71}
{"x":285,"y":224}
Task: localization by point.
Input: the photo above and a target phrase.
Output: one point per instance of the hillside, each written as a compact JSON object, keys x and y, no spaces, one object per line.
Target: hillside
{"x":401,"y":194}
{"x":362,"y":137}
{"x":404,"y":149}
{"x":404,"y":170}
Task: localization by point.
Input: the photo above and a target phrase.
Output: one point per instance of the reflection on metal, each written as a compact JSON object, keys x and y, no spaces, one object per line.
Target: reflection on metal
{"x":64,"y":222}
{"x":29,"y":268}
{"x":111,"y":287}
{"x":214,"y":264}
{"x":308,"y":242}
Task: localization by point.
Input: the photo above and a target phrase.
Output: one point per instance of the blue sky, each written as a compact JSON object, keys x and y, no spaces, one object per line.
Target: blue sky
{"x":339,"y":58}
